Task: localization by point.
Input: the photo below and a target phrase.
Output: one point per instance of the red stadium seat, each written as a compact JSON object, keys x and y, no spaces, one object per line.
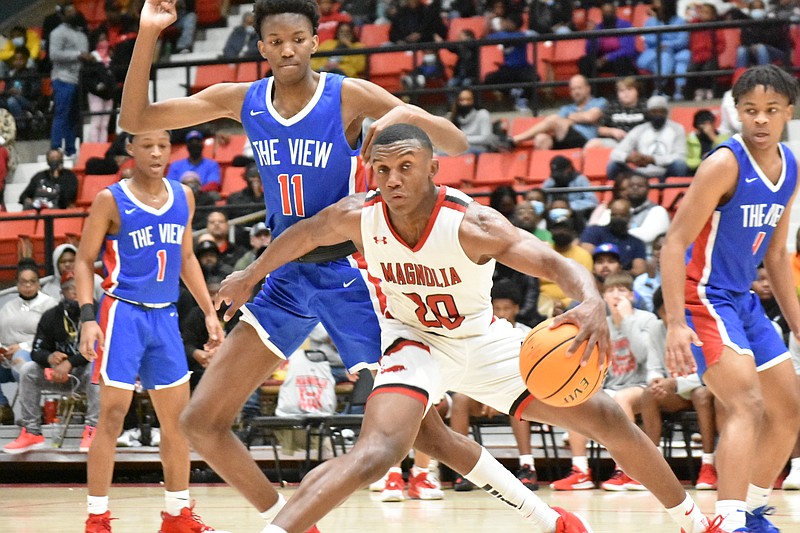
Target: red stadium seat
{"x":209,"y":12}
{"x":595,"y":161}
{"x":490,"y":57}
{"x":685,"y":115}
{"x":232,"y":181}
{"x":92,"y":185}
{"x":495,"y":169}
{"x":521,"y":125}
{"x":385,"y":69}
{"x":252,"y":71}
{"x":374,"y":34}
{"x":13,"y":228}
{"x":641,"y":12}
{"x":564,"y":62}
{"x":671,"y":198}
{"x":62,"y":226}
{"x":224,"y":154}
{"x":455,"y":170}
{"x":9,"y":256}
{"x":479,"y":194}
{"x":476,"y":24}
{"x":539,"y":168}
{"x":208,"y":75}
{"x":89,"y":150}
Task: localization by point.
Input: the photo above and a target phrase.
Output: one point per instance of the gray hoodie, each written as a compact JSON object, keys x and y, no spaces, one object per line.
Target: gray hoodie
{"x":51,"y":285}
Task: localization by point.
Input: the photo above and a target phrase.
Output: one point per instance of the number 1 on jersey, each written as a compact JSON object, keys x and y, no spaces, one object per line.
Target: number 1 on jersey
{"x":292,"y":189}
{"x":162,"y":264}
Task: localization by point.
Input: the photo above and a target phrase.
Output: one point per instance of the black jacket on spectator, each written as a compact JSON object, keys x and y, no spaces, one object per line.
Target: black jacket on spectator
{"x":244,"y":197}
{"x":529,"y":289}
{"x":544,"y":16}
{"x":58,"y":332}
{"x":62,"y":190}
{"x":422,"y":19}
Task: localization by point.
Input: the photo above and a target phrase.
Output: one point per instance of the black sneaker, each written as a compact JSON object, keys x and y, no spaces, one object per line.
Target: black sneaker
{"x":462,"y":484}
{"x":528,"y":477}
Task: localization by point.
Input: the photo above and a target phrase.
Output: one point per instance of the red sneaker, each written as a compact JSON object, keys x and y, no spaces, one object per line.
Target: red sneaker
{"x":313,"y":529}
{"x":24,"y":443}
{"x":186,"y":522}
{"x":576,"y":480}
{"x":421,"y":488}
{"x":86,"y":439}
{"x":707,"y":479}
{"x":99,"y":523}
{"x":393,"y":491}
{"x":570,"y":522}
{"x":617,"y":482}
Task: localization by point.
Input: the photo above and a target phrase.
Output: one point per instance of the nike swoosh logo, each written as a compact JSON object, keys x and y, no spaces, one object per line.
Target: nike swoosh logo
{"x":345,"y":285}
{"x":687,"y":513}
{"x":129,"y":211}
{"x":254,"y":113}
{"x":750,"y":180}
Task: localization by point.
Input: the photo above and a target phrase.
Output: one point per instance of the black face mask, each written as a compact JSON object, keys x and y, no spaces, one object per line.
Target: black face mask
{"x":195,"y":151}
{"x":657,"y":121}
{"x":562,"y":179}
{"x":610,"y":21}
{"x":464,"y":110}
{"x":562,"y":239}
{"x":53,"y":164}
{"x":72,"y":307}
{"x":618,"y":226}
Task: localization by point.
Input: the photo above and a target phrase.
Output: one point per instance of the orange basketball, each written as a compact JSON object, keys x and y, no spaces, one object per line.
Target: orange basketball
{"x":551,"y":376}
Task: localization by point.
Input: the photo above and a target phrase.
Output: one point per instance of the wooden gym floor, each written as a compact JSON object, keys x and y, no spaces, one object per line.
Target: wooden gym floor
{"x":40,"y":508}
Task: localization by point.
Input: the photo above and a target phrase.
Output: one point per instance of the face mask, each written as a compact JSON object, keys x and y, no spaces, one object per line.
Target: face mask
{"x":562,"y":239}
{"x":195,"y":151}
{"x":53,"y":164}
{"x":249,"y":29}
{"x":757,"y":14}
{"x":538,"y":207}
{"x":558,"y":213}
{"x":657,"y":121}
{"x":71,"y":307}
{"x":618,"y":226}
{"x":429,"y":59}
{"x":18,"y":41}
{"x":463,"y":110}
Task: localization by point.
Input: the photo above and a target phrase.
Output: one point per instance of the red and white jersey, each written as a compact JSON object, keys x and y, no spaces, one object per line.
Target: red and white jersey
{"x":433,"y":286}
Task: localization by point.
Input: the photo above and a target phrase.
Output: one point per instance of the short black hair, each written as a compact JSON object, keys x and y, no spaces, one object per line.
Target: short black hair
{"x":26,"y":263}
{"x":506,"y":289}
{"x":703,"y":116}
{"x":771,"y":77}
{"x":22,"y":50}
{"x":403,"y":132}
{"x":658,"y":300}
{"x":265,"y":8}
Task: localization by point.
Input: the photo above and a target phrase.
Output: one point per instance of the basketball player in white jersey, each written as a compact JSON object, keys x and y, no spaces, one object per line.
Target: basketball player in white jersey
{"x":434,"y":250}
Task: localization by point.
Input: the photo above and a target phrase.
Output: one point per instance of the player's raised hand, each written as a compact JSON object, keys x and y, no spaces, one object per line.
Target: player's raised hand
{"x":234,"y":291}
{"x":396,"y":115}
{"x":158,"y":14}
{"x":590,"y":317}
{"x":91,"y":336}
{"x":679,"y":358}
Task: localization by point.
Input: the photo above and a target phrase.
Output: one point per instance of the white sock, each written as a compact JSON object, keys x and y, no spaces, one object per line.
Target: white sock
{"x":794,"y":465}
{"x":175,"y":501}
{"x":688,"y":516}
{"x":495,"y":479}
{"x":732,"y":513}
{"x":273,"y":529}
{"x":270,"y":514}
{"x":757,"y":497}
{"x":97,"y":504}
{"x":526,"y":460}
{"x":395,"y":470}
{"x":708,"y":459}
{"x":415,"y":471}
{"x":581,"y":462}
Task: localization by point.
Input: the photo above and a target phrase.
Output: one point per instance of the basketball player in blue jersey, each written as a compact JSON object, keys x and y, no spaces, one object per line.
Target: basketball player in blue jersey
{"x":734,"y":216}
{"x":434,"y":251}
{"x":142,"y":229}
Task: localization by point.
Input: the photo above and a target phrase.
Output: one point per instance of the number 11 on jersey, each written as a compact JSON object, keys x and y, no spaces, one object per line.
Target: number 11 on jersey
{"x":292,"y":189}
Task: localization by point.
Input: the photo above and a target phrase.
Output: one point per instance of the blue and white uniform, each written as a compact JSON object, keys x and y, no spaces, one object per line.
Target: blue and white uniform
{"x":721,"y":264}
{"x":307,"y":164}
{"x":137,"y":313}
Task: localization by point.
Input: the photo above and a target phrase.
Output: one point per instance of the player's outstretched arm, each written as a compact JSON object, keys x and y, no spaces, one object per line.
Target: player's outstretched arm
{"x":715,"y":181}
{"x":103,"y":215}
{"x":376,"y":102}
{"x":137,"y":114}
{"x":486,"y":234}
{"x":335,"y":224}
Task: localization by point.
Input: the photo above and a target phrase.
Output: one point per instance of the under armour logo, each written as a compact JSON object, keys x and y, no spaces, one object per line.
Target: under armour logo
{"x":381,"y":240}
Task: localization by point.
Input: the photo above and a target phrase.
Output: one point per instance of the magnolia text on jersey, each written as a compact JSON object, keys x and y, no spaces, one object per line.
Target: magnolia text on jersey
{"x":302,"y":152}
{"x":757,"y":215}
{"x":169,"y":233}
{"x":413,"y":274}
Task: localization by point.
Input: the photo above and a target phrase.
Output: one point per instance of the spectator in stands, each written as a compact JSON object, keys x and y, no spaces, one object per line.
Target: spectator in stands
{"x":602,"y":214}
{"x":115,"y":157}
{"x":729,"y":122}
{"x":68,"y":48}
{"x":362,"y":11}
{"x":504,"y":199}
{"x":8,"y":151}
{"x":605,"y":262}
{"x":681,"y":393}
{"x":207,"y":169}
{"x":656,"y":148}
{"x":350,"y":65}
{"x":415,"y":22}
{"x":219,"y":230}
{"x":649,"y":281}
{"x":63,"y":262}
{"x":665,"y":53}
{"x":609,"y":54}
{"x":704,"y":138}
{"x":53,"y":188}
{"x":648,"y":219}
{"x":475,"y":122}
{"x":430,"y":69}
{"x":575,"y":123}
{"x":201,"y":198}
{"x":330,"y":16}
{"x":563,"y":174}
{"x":550,"y":16}
{"x":706,"y":46}
{"x":243,"y":40}
{"x":56,"y":364}
{"x":760,"y":45}
{"x":260,"y":237}
{"x":467,"y":68}
{"x":634,"y":363}
{"x":552,"y":300}
{"x":19,"y":318}
{"x":515,"y":67}
{"x":208,"y":255}
{"x":23,"y":89}
{"x":20,"y":37}
{"x":187,"y":24}
{"x":762,"y":288}
{"x":253,"y":193}
{"x":528,"y":218}
{"x":100,"y":94}
{"x":621,"y":115}
{"x":632,"y":250}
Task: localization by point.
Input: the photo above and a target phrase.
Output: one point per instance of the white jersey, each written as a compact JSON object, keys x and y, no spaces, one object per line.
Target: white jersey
{"x":433,"y":286}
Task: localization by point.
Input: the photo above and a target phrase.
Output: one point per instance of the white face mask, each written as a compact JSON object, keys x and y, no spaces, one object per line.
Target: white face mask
{"x":757,"y":14}
{"x":429,"y":59}
{"x":18,"y":41}
{"x":249,"y":29}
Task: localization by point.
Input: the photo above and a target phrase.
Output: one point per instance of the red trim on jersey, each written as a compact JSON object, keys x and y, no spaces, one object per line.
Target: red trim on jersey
{"x":110,"y":264}
{"x":105,"y":308}
{"x":400,"y":389}
{"x":455,"y":206}
{"x":694,"y":270}
{"x":705,"y":324}
{"x":403,"y":344}
{"x":428,"y":227}
{"x":521,"y":408}
{"x":360,"y":177}
{"x":361,"y":263}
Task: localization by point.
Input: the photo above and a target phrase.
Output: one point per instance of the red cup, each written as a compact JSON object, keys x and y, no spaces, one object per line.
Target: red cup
{"x":50,"y":411}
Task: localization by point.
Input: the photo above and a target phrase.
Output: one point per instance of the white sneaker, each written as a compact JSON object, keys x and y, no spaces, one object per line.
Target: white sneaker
{"x":378,"y":486}
{"x":155,"y":436}
{"x":792,"y":481}
{"x":130,"y":438}
{"x":393,"y":491}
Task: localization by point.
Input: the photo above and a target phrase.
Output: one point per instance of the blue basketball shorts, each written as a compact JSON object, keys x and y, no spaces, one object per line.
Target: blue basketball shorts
{"x":139,"y":341}
{"x":735,"y":320}
{"x":338,"y":294}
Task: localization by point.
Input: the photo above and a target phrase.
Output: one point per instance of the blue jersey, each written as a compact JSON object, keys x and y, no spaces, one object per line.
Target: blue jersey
{"x":305,"y":162}
{"x":143,"y":259}
{"x":734,"y":240}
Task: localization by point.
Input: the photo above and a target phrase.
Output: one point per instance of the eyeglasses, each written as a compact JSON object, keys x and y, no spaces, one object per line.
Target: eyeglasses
{"x":27,"y":281}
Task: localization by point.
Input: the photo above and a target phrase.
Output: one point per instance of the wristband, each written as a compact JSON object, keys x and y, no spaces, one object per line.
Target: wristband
{"x":87,"y":313}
